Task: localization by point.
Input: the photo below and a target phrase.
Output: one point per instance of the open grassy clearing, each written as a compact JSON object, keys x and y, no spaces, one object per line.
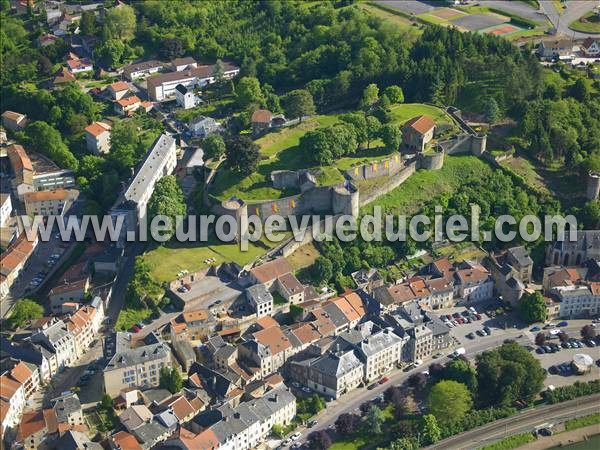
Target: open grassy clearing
{"x":589,"y":23}
{"x":167,"y":262}
{"x":413,"y":31}
{"x":425,"y":185}
{"x":281,"y":151}
{"x":303,"y":257}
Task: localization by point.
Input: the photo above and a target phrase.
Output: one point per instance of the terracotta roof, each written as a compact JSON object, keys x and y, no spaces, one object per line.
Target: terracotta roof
{"x":322,"y":322}
{"x":267,"y":322}
{"x":63,"y":76}
{"x":18,"y":158}
{"x":51,"y":420}
{"x":79,"y":63}
{"x":347,"y":309}
{"x":21,"y":372}
{"x":401,"y":293}
{"x":16,"y":254}
{"x":182,"y":408}
{"x":4,"y":407}
{"x":67,"y":287}
{"x":8,"y":387}
{"x":178,"y":327}
{"x":207,"y":440}
{"x":195,"y":379}
{"x":128,"y":101}
{"x":471,"y":276}
{"x":262,"y":116}
{"x":41,"y":196}
{"x":31,"y":423}
{"x":97,"y":128}
{"x":126,"y":441}
{"x":306,"y":333}
{"x":356,"y":303}
{"x":443,"y":265}
{"x":119,"y":86}
{"x":195,"y":315}
{"x":422,"y":124}
{"x":183,"y":61}
{"x":273,"y":338}
{"x":270,"y":270}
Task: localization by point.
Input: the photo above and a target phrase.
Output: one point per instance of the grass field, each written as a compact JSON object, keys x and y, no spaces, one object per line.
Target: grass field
{"x":511,"y":442}
{"x":303,"y":257}
{"x":167,"y":262}
{"x":590,"y":23}
{"x":130,"y":316}
{"x":281,"y":151}
{"x":581,"y":422}
{"x":412,"y":30}
{"x":428,"y":184}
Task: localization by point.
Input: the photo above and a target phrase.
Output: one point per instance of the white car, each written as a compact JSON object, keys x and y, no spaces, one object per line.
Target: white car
{"x":296,"y":436}
{"x":418,"y":362}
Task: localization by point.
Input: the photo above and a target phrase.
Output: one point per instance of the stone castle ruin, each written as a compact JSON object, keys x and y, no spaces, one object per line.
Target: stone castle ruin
{"x":346,"y":198}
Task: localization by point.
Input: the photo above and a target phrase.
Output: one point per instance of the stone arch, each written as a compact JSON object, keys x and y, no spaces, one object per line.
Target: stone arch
{"x":556,"y":258}
{"x":566,"y":260}
{"x":578,"y":260}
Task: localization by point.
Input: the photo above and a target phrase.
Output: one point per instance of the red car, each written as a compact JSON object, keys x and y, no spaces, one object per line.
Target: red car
{"x":136,"y":329}
{"x":478,"y":316}
{"x":383,"y":380}
{"x":449,"y":316}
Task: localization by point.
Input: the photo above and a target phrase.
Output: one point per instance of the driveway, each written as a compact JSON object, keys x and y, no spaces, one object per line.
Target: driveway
{"x":519,"y":8}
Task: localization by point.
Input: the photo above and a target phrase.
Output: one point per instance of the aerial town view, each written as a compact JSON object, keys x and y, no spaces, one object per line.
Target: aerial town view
{"x":300,"y":224}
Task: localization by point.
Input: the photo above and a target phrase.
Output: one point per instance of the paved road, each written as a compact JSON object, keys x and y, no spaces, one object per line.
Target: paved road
{"x":519,"y":8}
{"x":523,"y":422}
{"x":574,"y":11}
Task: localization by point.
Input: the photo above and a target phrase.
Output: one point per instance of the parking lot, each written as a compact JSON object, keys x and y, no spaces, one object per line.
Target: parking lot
{"x":566,"y":356}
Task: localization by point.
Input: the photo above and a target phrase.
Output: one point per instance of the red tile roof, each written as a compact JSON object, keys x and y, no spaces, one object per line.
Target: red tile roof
{"x":128,"y":101}
{"x":273,"y":338}
{"x":18,"y":157}
{"x":97,"y":128}
{"x":31,"y":423}
{"x":262,"y":116}
{"x":422,"y":124}
{"x":119,"y":86}
{"x":270,"y":270}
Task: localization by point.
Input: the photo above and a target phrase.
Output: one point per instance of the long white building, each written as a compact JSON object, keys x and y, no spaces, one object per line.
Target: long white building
{"x":159,"y":162}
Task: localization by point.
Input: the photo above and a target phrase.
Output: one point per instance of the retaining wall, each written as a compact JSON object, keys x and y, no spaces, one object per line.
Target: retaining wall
{"x":389,"y":185}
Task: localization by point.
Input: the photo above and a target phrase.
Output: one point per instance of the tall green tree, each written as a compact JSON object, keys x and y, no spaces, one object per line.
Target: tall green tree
{"x":394,"y":94}
{"x":24,"y":311}
{"x":242,"y":155}
{"x":46,"y":140}
{"x":370,"y":96}
{"x":430,"y":430}
{"x":391,"y":136}
{"x":120,"y":23}
{"x":507,"y":374}
{"x":213,"y":146}
{"x":449,"y":401}
{"x":298,"y":104}
{"x":249,"y":93}
{"x":167,"y":201}
{"x":88,"y":25}
{"x":374,"y":420}
{"x":532,"y":307}
{"x":492,"y":110}
{"x":373,"y":127}
{"x":170,"y":379}
{"x":462,"y":371}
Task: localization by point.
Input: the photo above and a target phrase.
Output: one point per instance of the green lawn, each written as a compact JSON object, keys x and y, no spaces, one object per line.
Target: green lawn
{"x":412,"y":30}
{"x":581,"y":422}
{"x":589,"y":23}
{"x":167,"y":262}
{"x":424,"y":185}
{"x":130,"y":316}
{"x":511,"y":442}
{"x":281,"y":151}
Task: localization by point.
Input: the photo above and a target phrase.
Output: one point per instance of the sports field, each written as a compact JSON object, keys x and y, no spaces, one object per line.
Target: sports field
{"x":505,"y":29}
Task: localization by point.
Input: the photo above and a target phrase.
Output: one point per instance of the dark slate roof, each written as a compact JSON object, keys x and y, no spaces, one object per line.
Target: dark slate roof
{"x":335,"y":314}
{"x":521,"y":255}
{"x":182,"y":89}
{"x":336,"y":365}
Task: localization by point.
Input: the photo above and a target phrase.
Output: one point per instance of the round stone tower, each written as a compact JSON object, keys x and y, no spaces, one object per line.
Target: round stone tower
{"x":345,"y":199}
{"x":593,"y":186}
{"x":478,"y":144}
{"x":238,"y":209}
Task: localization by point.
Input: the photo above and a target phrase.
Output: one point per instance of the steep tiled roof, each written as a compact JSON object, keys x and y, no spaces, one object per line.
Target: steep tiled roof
{"x":421,"y":124}
{"x":273,"y":338}
{"x":262,"y":116}
{"x":270,"y":270}
{"x":97,"y":128}
{"x":18,"y":157}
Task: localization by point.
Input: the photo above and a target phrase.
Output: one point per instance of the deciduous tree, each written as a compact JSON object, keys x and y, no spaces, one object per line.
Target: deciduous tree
{"x":242,"y":155}
{"x":298,"y":103}
{"x":24,"y":311}
{"x":167,"y":201}
{"x":532,"y":307}
{"x":449,"y":401}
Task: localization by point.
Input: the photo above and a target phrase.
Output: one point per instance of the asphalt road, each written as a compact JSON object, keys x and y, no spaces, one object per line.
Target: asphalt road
{"x":521,"y":423}
{"x":561,"y":20}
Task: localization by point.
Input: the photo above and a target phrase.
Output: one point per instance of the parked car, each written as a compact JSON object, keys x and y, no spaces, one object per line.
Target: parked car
{"x":534,"y":329}
{"x":564,"y":323}
{"x":487,"y":330}
{"x":383,"y":380}
{"x":136,"y":329}
{"x":480,"y":332}
{"x":296,"y":436}
{"x":372,"y":386}
{"x":471,"y":336}
{"x":478,"y":316}
{"x":456,"y":315}
{"x":312,"y":423}
{"x":540,"y":350}
{"x":553,"y":370}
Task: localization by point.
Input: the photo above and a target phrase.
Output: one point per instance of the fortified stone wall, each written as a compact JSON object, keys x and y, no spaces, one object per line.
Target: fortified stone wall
{"x":390,"y":184}
{"x":434,"y":161}
{"x":384,"y":168}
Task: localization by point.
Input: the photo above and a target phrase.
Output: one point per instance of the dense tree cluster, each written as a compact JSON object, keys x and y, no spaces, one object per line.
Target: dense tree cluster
{"x":532,"y":307}
{"x":167,"y":201}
